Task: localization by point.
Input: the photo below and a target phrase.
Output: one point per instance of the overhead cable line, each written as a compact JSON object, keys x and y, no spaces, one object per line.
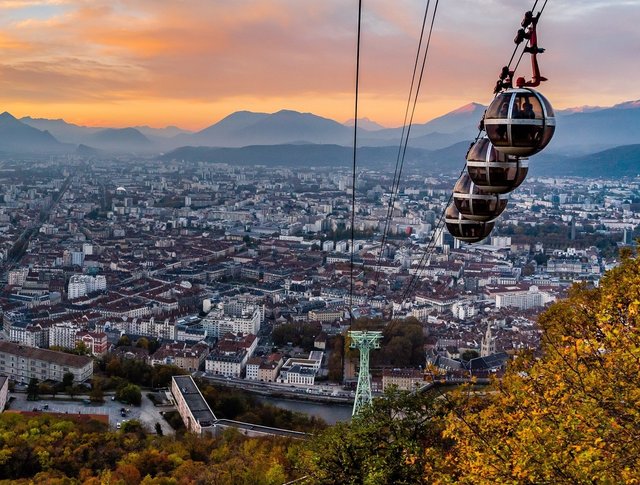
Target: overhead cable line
{"x":402,"y":150}
{"x":402,"y":137}
{"x":355,"y":151}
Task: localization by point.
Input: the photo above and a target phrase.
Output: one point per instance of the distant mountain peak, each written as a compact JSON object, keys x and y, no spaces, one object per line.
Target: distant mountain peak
{"x":580,"y":109}
{"x":293,"y":114}
{"x":119,"y":139}
{"x":31,"y":118}
{"x":467,"y":108}
{"x":289,"y":112}
{"x":244,"y":112}
{"x":628,"y":105}
{"x":365,"y":123}
{"x":18,"y":137}
{"x":8,"y":116}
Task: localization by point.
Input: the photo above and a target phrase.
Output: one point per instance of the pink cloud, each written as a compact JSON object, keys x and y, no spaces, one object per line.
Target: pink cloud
{"x":211,"y":52}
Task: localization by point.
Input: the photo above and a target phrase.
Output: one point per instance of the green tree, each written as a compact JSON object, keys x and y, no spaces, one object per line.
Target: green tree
{"x":67,"y":384}
{"x":528,"y":270}
{"x":299,"y":334}
{"x":73,"y":391}
{"x":467,"y":355}
{"x":393,"y":441}
{"x":97,"y":394}
{"x":154,"y":344}
{"x":143,"y":343}
{"x":132,"y":426}
{"x":46,"y":389}
{"x":113,"y":367}
{"x":33,"y":389}
{"x":402,"y":342}
{"x":67,"y":379}
{"x":573,"y":415}
{"x":541,"y":259}
{"x":123,"y":341}
{"x":335,"y":359}
{"x":82,"y":349}
{"x":129,"y":393}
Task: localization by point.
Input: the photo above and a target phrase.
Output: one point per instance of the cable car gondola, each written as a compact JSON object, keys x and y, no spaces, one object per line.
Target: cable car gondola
{"x":475,"y":204}
{"x":495,"y":172}
{"x":520,"y":122}
{"x":464,"y":229}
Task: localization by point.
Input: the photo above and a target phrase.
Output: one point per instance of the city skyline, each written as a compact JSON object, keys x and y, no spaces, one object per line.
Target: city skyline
{"x":157,"y":63}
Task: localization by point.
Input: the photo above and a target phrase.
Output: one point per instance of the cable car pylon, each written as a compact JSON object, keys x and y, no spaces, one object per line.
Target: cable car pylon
{"x":364,"y":341}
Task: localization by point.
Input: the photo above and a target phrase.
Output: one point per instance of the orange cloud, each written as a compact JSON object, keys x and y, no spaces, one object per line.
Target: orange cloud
{"x":13,"y":44}
{"x":193,"y":62}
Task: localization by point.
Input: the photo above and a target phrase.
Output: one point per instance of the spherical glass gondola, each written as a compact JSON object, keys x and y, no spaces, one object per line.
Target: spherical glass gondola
{"x":520,"y":122}
{"x":464,"y":229}
{"x":475,"y":204}
{"x":495,"y":172}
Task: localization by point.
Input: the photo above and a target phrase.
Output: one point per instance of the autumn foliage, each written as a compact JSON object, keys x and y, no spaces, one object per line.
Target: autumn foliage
{"x":54,"y":450}
{"x":573,"y":415}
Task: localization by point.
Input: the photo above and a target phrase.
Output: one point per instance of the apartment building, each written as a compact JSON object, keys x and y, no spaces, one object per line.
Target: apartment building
{"x":23,"y":363}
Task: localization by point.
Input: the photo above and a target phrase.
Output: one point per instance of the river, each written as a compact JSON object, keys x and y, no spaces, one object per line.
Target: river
{"x":330,"y":412}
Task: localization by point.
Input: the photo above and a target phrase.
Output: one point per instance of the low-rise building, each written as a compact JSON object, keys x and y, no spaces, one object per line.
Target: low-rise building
{"x":297,"y":371}
{"x":24,"y":363}
{"x":194,"y":410}
{"x":268,"y":371}
{"x":524,"y":300}
{"x":326,"y":315}
{"x":264,"y":369}
{"x":235,"y":318}
{"x":96,"y":342}
{"x":181,"y":355}
{"x":298,"y":375}
{"x":230,"y":357}
{"x":253,"y":368}
{"x":403,"y":379}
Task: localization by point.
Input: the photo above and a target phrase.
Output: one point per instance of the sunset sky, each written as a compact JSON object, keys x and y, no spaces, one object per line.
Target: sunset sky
{"x":192,"y":62}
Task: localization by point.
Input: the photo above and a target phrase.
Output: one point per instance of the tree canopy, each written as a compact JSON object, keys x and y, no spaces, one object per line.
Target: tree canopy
{"x":391,"y":442}
{"x":402,"y":342}
{"x":62,"y":450}
{"x":573,"y":415}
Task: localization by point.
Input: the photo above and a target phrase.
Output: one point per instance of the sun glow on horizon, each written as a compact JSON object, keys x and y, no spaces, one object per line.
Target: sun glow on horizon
{"x":74,"y":60}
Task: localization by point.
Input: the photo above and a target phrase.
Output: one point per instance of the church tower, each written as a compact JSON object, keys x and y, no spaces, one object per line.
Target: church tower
{"x":488,"y":345}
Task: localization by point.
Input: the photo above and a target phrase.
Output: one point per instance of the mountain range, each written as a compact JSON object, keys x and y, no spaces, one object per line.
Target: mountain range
{"x":584,"y":136}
